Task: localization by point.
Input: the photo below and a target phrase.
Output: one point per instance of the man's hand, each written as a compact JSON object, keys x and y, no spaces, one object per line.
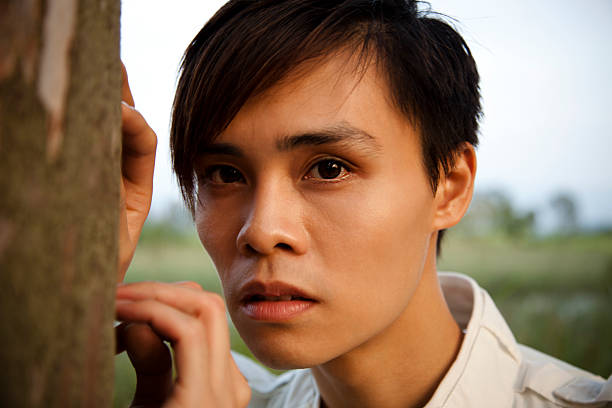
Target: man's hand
{"x":137,"y":164}
{"x":194,"y":322}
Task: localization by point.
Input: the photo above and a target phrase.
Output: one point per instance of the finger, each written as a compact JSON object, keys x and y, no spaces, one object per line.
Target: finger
{"x":187,"y":334}
{"x":126,"y":93}
{"x":138,"y":137}
{"x":152,"y":362}
{"x":146,"y":349}
{"x":185,"y":296}
{"x":208,"y":307}
{"x":125,"y":243}
{"x":138,"y":161}
{"x":195,"y":322}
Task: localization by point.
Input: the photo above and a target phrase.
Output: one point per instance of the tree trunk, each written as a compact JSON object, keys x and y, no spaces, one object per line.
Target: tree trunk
{"x":60,"y":144}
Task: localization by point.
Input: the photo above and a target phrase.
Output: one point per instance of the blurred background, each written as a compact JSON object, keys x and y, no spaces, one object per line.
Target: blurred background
{"x":538,"y":235}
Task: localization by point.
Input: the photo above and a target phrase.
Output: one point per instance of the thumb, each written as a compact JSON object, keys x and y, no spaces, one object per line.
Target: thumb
{"x":152,"y":362}
{"x":125,"y":244}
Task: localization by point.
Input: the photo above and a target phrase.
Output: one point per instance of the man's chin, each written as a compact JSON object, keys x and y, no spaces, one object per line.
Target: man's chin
{"x":277,"y":362}
{"x":281,"y":354}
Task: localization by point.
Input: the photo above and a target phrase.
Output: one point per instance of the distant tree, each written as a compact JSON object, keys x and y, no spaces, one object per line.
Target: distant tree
{"x":60,"y":141}
{"x":566,"y":209}
{"x":493,"y":212}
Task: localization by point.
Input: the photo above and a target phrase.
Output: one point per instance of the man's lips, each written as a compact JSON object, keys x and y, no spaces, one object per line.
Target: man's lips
{"x":257,"y":291}
{"x":274,"y":301}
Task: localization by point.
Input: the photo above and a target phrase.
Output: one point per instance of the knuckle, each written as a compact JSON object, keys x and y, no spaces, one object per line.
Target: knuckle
{"x":154,"y":138}
{"x":154,"y":289}
{"x":210,"y":306}
{"x":202,"y":307}
{"x":217,"y":303}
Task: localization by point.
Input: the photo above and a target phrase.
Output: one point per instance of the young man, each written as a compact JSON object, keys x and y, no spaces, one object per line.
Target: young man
{"x":323,"y":147}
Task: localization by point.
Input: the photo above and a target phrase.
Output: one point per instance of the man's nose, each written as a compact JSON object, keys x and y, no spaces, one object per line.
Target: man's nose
{"x":274,"y":221}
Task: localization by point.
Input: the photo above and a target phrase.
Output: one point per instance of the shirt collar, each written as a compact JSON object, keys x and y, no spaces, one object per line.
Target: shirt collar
{"x":473,"y":310}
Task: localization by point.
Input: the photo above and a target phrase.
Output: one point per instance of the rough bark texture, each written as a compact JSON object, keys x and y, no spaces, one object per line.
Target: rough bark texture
{"x":59,"y":171}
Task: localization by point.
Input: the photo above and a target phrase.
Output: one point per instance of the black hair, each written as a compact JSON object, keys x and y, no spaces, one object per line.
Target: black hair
{"x":250,"y":45}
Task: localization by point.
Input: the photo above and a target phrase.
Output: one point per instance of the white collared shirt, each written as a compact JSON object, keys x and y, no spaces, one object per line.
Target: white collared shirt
{"x":491,"y":368}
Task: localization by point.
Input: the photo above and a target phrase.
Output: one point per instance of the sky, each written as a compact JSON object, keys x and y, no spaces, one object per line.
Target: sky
{"x":546,"y":86}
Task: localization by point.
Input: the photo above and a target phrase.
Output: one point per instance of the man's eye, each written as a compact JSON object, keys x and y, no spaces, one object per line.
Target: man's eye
{"x":328,"y":169}
{"x":224,"y":175}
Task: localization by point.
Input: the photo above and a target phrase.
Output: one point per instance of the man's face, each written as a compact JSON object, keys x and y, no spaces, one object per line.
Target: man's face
{"x":317,"y":212}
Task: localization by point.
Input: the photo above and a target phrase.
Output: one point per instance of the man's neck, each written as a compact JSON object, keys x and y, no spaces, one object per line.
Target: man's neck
{"x":402,"y":366}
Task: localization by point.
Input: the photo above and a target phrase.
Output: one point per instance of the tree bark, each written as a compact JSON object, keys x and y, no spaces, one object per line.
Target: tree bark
{"x":60,"y":141}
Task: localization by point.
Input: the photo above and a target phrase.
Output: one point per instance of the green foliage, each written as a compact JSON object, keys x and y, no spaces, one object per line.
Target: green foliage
{"x":164,"y":231}
{"x":555,"y":293}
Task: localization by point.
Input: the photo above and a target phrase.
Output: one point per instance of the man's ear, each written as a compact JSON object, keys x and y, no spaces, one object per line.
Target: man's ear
{"x":455,"y":189}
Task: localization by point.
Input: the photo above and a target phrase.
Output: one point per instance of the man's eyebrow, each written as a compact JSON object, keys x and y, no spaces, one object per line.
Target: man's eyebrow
{"x":338,"y":134}
{"x":223,"y":149}
{"x":342,"y":133}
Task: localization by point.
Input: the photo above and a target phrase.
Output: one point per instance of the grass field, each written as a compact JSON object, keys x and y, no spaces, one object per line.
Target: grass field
{"x":556,"y":293}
